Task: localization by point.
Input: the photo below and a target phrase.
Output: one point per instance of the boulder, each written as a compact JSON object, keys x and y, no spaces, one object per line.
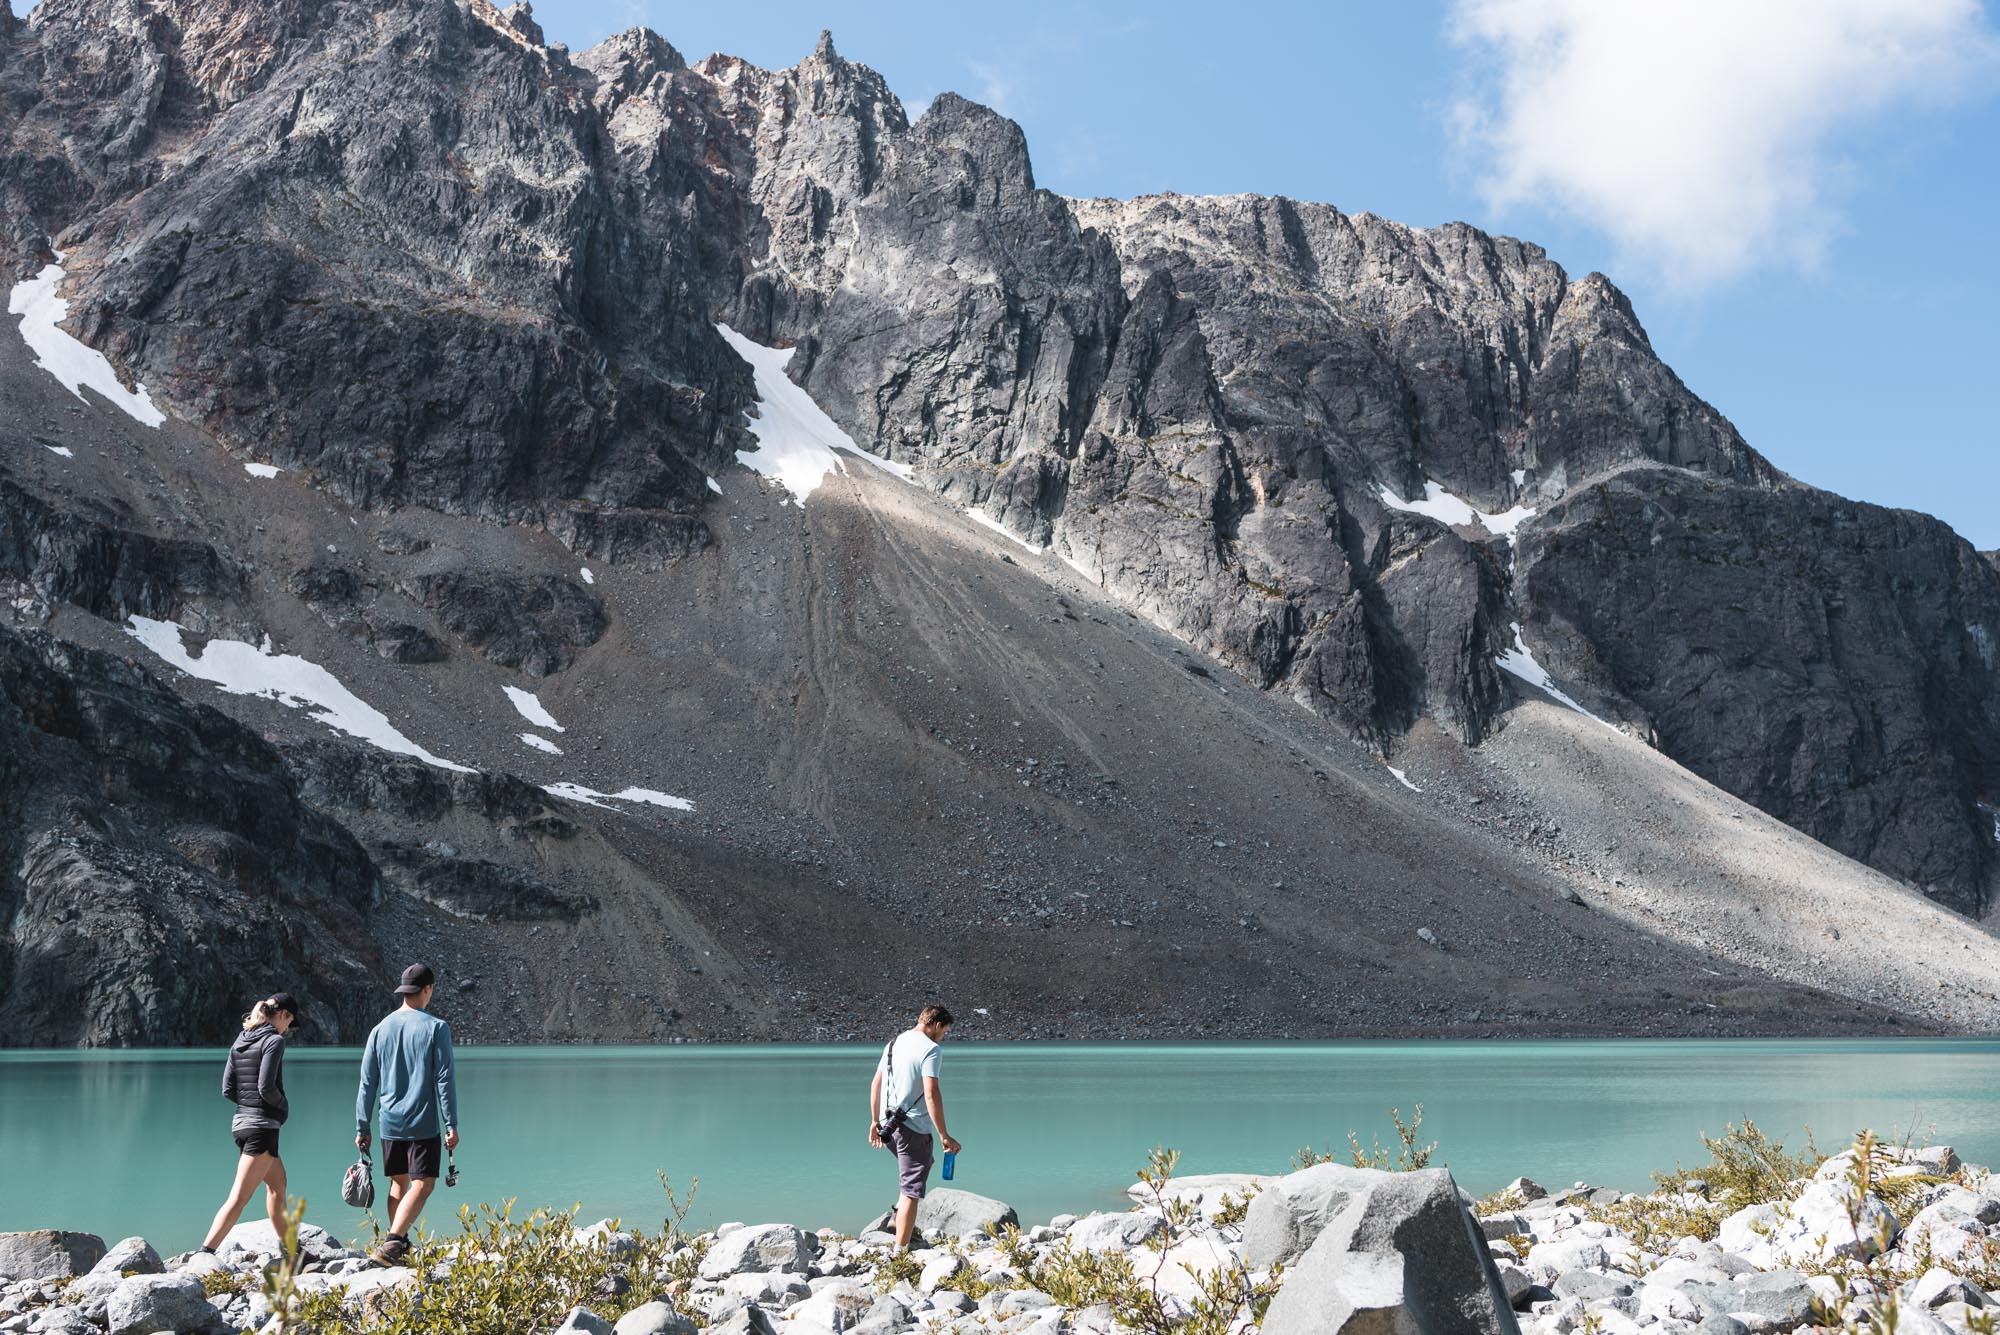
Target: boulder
{"x":760,"y":1248}
{"x":1550,"y":1259}
{"x":1116,"y":1232}
{"x":1777,"y":1300}
{"x":260,"y":1239}
{"x":1594,"y":1288}
{"x":839,"y":1305}
{"x":583,"y":1321}
{"x":64,"y":1321}
{"x":1937,"y":1286}
{"x":607,"y":1235}
{"x":940,"y":1270}
{"x":145,"y":1304}
{"x":133,"y":1256}
{"x":1526,"y":1189}
{"x":778,"y":1289}
{"x":1515,"y":1282}
{"x":1386,"y":1252}
{"x":1205,"y":1191}
{"x":950,"y":1213}
{"x":747,"y":1320}
{"x":47,"y":1253}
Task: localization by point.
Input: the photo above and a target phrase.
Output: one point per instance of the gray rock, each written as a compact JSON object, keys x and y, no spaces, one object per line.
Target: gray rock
{"x":1393,"y":1251}
{"x":1596,"y":1289}
{"x":48,"y":1253}
{"x":748,"y":1319}
{"x":654,"y":1318}
{"x":1715,"y":1323}
{"x":1116,"y":1232}
{"x":946,"y":1212}
{"x":760,"y":1248}
{"x":1936,"y":1287}
{"x":583,"y":1321}
{"x":145,"y":1304}
{"x":1778,"y":1300}
{"x":132,"y":1256}
{"x":64,"y":1321}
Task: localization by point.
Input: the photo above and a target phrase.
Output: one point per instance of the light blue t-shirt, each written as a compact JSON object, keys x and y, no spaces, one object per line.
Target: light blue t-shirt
{"x":904,"y":1063}
{"x":406,"y":1076}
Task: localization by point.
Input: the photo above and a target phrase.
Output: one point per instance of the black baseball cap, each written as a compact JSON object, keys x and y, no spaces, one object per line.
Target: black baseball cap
{"x":283,"y":1001}
{"x":415,"y":979}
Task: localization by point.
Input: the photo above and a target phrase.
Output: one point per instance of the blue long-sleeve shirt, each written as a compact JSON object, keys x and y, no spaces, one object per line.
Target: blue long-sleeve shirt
{"x":406,"y":1077}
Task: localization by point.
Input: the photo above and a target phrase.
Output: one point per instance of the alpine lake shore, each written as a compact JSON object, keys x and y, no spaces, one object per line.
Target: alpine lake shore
{"x":1887,"y":1239}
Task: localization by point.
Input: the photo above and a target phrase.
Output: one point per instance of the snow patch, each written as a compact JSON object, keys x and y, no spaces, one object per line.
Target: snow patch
{"x":1520,"y":476}
{"x":262,"y":470}
{"x":74,"y":363}
{"x":1404,"y":779}
{"x":297,"y":683}
{"x":588,"y":578}
{"x":1441,"y":505}
{"x":63,"y":450}
{"x":576,"y":792}
{"x":715,"y":486}
{"x":530,"y":708}
{"x":540,"y":743}
{"x":1522,"y":664}
{"x":980,"y":517}
{"x":797,"y":443}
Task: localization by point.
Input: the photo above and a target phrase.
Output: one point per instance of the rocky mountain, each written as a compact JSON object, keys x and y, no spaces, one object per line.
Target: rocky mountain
{"x":1286,"y":478}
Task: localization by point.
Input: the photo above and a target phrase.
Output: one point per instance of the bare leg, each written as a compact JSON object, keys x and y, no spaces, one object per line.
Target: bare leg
{"x":906,"y":1221}
{"x":274,"y":1197}
{"x":412,"y":1205}
{"x":399,"y":1187}
{"x":250,"y":1171}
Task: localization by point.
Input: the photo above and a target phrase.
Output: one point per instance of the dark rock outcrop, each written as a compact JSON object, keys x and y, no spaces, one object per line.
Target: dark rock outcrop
{"x":1832,"y":662}
{"x":157,"y":867}
{"x":533,"y":623}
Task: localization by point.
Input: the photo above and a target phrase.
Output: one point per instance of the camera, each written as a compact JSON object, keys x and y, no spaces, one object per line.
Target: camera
{"x":451,"y":1174}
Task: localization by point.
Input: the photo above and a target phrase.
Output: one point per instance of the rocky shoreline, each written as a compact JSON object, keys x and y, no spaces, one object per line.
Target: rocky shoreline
{"x":1877,"y":1238}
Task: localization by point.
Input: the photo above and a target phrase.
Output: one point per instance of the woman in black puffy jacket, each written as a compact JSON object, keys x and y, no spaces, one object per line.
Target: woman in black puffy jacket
{"x":253,"y":1078}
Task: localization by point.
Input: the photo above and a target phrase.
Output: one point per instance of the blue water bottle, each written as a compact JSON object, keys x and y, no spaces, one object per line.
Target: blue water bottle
{"x":950,"y":1163}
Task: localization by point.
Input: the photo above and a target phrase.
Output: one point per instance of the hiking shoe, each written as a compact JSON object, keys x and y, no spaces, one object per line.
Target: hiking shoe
{"x":391,"y":1251}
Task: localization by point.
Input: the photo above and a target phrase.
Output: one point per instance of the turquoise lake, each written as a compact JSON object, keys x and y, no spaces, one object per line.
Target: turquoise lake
{"x":138,"y":1142}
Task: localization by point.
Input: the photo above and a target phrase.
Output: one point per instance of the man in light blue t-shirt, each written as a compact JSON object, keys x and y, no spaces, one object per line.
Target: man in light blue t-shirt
{"x":906,"y":1108}
{"x":408,"y":1080}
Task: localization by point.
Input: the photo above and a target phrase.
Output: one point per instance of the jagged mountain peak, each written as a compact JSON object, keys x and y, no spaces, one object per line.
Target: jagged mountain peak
{"x":1401,"y":480}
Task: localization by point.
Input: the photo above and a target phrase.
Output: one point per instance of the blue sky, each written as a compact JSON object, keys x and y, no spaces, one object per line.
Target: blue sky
{"x":1801,"y":203}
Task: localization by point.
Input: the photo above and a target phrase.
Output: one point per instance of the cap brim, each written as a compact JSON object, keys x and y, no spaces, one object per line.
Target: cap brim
{"x":407,"y":990}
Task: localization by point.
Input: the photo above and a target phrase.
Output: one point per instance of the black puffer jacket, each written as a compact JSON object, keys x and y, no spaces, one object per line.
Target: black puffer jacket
{"x":253,"y":1078}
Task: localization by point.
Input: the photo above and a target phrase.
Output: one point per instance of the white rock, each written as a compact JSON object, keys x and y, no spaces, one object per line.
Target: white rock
{"x":761,"y":1248}
{"x":1116,"y":1232}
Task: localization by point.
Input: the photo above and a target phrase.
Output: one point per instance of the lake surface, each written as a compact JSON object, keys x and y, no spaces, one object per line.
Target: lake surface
{"x":138,"y":1143}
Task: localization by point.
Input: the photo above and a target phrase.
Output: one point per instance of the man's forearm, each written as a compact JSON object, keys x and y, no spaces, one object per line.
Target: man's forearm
{"x":934,"y":1100}
{"x":875,"y":1099}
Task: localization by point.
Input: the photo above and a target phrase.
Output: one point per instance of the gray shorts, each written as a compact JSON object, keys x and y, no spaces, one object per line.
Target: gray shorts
{"x":913,"y":1160}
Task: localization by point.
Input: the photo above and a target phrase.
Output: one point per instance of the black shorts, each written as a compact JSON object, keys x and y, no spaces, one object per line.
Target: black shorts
{"x":413,"y":1158}
{"x":261,"y":1141}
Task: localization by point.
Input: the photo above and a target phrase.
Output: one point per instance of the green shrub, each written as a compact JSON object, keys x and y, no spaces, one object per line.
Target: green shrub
{"x":1407,"y":1157}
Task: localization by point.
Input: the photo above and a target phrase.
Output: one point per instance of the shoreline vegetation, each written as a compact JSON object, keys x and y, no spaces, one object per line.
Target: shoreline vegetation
{"x":1880,"y":1238}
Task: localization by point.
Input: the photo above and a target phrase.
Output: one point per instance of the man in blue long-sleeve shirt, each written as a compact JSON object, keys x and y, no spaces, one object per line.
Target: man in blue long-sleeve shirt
{"x":406,"y":1078}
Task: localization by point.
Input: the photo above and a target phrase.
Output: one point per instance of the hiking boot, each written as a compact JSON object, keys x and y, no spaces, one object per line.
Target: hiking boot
{"x":391,"y":1251}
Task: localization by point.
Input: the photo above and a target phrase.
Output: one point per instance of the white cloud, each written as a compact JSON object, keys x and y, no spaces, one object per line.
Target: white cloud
{"x":995,"y":87}
{"x":1700,"y":134}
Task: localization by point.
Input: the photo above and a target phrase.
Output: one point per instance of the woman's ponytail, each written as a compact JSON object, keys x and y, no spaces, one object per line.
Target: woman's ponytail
{"x":259,"y":1015}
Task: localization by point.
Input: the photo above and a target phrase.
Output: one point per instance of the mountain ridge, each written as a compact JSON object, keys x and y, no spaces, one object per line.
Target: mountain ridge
{"x":1395,"y":476}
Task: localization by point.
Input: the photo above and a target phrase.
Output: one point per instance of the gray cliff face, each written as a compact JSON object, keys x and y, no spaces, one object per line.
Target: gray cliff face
{"x":1834,"y":663}
{"x":416,"y":255}
{"x":162,"y":866}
